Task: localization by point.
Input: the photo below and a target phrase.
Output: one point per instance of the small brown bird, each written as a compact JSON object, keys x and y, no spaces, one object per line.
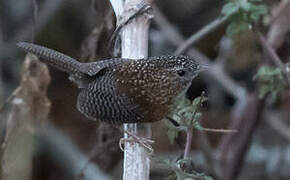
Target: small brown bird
{"x":124,"y":90}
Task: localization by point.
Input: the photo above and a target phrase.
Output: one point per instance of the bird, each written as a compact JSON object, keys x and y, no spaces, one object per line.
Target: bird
{"x":123,"y":90}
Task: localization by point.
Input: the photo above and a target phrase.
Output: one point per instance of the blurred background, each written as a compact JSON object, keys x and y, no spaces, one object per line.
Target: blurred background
{"x":44,"y":137}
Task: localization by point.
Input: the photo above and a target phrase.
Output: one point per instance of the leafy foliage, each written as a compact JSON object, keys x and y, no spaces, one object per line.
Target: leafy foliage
{"x":242,"y":14}
{"x":172,"y":134}
{"x":271,"y":81}
{"x":178,"y":172}
{"x":186,"y":114}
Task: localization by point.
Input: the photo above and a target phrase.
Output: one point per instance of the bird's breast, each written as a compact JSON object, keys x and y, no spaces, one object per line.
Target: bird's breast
{"x":152,"y":92}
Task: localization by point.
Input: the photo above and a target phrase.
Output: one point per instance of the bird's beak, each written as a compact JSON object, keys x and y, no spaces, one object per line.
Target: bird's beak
{"x":203,"y":67}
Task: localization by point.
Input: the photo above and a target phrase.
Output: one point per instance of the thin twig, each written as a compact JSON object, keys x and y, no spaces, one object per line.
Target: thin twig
{"x":48,"y":11}
{"x":171,"y":32}
{"x":279,"y":24}
{"x":35,"y":17}
{"x":187,"y":148}
{"x":220,"y":130}
{"x":24,"y":33}
{"x":273,"y":55}
{"x":66,"y":154}
{"x":278,"y":124}
{"x":190,"y":127}
{"x":200,"y":34}
{"x":270,"y":51}
{"x":248,"y":123}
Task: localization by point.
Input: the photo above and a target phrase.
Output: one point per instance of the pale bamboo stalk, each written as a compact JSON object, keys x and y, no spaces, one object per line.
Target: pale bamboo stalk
{"x":134,"y":46}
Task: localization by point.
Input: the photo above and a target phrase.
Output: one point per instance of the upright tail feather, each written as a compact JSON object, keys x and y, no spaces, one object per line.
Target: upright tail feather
{"x":52,"y":57}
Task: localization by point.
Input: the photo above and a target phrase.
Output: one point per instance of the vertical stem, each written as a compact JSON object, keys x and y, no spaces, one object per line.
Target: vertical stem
{"x":187,"y":149}
{"x":135,"y":46}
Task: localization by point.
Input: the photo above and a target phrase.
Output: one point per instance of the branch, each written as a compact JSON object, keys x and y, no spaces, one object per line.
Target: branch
{"x":24,"y":33}
{"x":277,"y":124}
{"x":215,"y":71}
{"x":248,"y":123}
{"x":189,"y":134}
{"x":67,"y":155}
{"x":200,"y":34}
{"x":118,"y":7}
{"x":134,"y":46}
{"x":35,"y":15}
{"x":49,"y":11}
{"x":274,"y":57}
{"x":190,"y":127}
{"x":123,"y":22}
{"x":279,"y":25}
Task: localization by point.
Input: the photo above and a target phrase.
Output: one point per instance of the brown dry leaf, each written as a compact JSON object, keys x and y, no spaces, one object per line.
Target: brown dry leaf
{"x":28,"y":106}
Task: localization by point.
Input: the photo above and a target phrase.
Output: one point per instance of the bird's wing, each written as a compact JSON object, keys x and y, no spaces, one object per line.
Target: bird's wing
{"x":94,"y":68}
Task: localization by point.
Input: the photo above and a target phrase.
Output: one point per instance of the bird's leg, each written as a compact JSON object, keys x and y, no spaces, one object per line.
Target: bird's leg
{"x":145,"y":142}
{"x":174,"y":122}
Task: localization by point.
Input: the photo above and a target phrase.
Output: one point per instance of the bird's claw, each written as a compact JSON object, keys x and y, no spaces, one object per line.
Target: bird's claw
{"x":144,"y":142}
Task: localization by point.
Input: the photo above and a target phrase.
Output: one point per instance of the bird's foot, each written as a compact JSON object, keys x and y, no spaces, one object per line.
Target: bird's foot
{"x":144,"y":142}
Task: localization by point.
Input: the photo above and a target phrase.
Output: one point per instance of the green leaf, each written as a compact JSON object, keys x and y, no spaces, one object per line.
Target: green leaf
{"x":196,"y":101}
{"x":267,"y":73}
{"x":171,"y":177}
{"x":243,"y":13}
{"x":198,"y":126}
{"x":172,"y":135}
{"x":177,"y":172}
{"x":257,"y":11}
{"x":245,"y":5}
{"x":236,"y":27}
{"x":197,"y":116}
{"x":264,"y":90}
{"x":208,"y":178}
{"x":270,"y":80}
{"x":230,"y":8}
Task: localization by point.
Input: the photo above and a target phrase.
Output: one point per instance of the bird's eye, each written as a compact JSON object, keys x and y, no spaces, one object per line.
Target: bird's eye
{"x":181,"y":72}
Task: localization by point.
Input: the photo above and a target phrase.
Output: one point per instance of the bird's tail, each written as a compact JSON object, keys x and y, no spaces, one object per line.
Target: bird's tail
{"x":52,"y":57}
